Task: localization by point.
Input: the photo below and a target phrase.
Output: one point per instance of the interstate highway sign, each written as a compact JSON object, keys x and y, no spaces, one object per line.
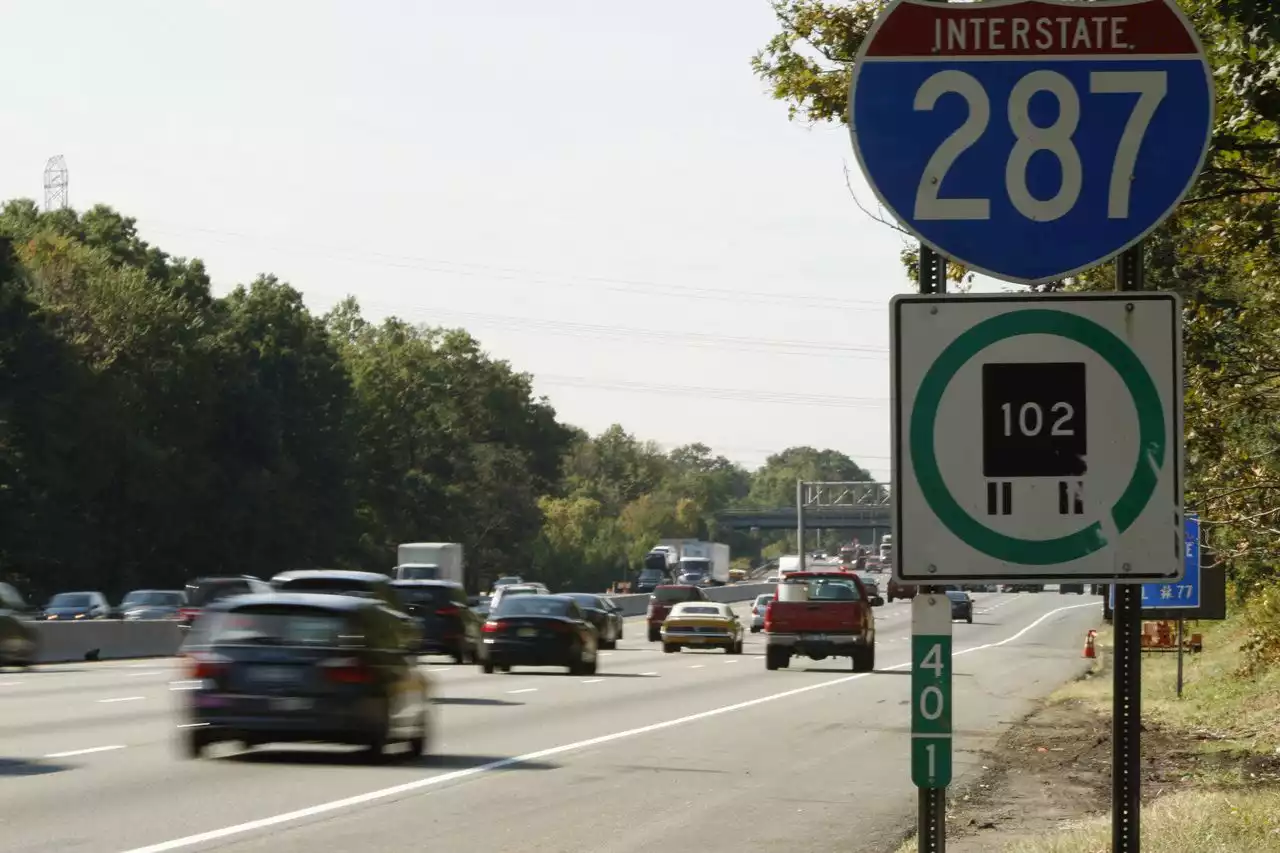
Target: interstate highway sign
{"x":1037,"y":437}
{"x":1031,"y":140}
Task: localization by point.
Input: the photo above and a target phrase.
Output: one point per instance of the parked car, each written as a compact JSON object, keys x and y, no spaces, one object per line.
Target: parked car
{"x":1066,"y":588}
{"x":203,"y":592}
{"x":446,"y":622}
{"x":604,"y":614}
{"x":539,"y":630}
{"x":304,"y":667}
{"x":961,"y":605}
{"x":77,"y":605}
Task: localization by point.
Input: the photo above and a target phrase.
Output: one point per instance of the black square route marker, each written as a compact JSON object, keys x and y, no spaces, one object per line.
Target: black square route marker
{"x":1034,"y":422}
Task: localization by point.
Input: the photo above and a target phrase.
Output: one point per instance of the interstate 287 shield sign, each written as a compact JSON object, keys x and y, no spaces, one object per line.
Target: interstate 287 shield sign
{"x":1026,"y":139}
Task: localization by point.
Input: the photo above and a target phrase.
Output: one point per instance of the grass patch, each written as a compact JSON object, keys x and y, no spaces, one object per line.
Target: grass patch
{"x":1217,"y":703}
{"x":1239,"y":821}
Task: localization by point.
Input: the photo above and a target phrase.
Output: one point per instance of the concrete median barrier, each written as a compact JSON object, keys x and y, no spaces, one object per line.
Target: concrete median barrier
{"x":635,"y":605}
{"x":61,"y":642}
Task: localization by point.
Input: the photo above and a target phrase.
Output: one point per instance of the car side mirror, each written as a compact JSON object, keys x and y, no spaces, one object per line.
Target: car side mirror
{"x":877,"y":602}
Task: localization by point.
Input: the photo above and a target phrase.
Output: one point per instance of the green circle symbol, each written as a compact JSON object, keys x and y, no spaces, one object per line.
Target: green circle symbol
{"x":1151,"y":435}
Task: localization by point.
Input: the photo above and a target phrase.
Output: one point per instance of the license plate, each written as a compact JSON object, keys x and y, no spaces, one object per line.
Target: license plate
{"x":694,"y":638}
{"x":816,"y":638}
{"x":290,"y":703}
{"x":528,"y":632}
{"x":275,"y":674}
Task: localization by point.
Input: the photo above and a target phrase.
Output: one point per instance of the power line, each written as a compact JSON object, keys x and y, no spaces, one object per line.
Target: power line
{"x":778,"y":397}
{"x":595,"y":283}
{"x":698,"y":339}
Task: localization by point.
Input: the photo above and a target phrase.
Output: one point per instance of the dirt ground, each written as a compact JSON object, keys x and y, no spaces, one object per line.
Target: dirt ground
{"x":1055,"y":768}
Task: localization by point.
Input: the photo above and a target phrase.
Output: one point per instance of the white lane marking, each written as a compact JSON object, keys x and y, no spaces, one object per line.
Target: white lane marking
{"x":604,"y":654}
{"x":735,"y":660}
{"x":123,"y":699}
{"x":649,"y":673}
{"x":593,"y":681}
{"x":524,"y":690}
{"x":9,"y":683}
{"x":191,"y":725}
{"x":440,"y":669}
{"x":184,"y":685}
{"x":697,"y":666}
{"x":468,"y":772}
{"x":143,"y":674}
{"x":92,"y":749}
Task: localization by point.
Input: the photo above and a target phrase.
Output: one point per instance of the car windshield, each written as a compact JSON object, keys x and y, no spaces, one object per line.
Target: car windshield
{"x":506,"y":581}
{"x":585,"y":600}
{"x":699,"y":610}
{"x":532,"y":605}
{"x":152,"y":599}
{"x":335,"y":586}
{"x":423,"y":596}
{"x":829,"y":589}
{"x":71,"y":599}
{"x":279,"y":625}
{"x":675,"y":593}
{"x":764,"y":599}
{"x":957,"y":596}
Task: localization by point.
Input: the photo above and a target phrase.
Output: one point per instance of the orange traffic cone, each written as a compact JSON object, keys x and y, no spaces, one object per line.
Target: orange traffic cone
{"x":1089,"y":651}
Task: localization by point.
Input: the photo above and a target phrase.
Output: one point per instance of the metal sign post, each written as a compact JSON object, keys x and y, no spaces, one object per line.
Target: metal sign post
{"x":931,"y":716}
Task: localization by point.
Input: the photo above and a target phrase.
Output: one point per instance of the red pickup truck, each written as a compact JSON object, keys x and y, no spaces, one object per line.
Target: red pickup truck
{"x":664,"y":597}
{"x":820,"y":615}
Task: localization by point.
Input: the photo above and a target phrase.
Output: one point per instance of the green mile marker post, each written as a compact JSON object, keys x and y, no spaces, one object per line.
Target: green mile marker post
{"x":931,"y":696}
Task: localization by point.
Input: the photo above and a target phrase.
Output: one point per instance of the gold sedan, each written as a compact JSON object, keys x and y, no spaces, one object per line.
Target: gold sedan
{"x":702,"y":625}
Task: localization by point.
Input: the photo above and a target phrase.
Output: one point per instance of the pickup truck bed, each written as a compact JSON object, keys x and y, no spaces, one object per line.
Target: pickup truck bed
{"x":820,"y":615}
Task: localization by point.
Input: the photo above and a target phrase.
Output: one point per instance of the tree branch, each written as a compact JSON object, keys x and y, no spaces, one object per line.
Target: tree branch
{"x":848,"y":182}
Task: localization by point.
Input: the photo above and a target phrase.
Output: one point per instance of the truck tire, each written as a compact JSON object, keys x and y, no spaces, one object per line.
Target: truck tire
{"x":776,"y":659}
{"x":655,"y":634}
{"x":670,"y":648}
{"x":864,"y":658}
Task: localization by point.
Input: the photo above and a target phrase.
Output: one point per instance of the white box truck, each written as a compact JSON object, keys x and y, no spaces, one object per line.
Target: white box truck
{"x":429,"y":561}
{"x":710,"y":560}
{"x":788,"y":564}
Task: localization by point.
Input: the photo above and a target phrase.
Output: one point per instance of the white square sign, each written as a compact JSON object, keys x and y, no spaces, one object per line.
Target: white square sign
{"x":1037,"y":437}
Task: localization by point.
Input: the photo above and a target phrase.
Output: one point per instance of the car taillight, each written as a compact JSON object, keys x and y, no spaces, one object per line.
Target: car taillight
{"x":448,"y":610}
{"x":347,"y":671}
{"x":768,"y":616}
{"x":188,"y":614}
{"x":207,"y":666}
{"x":490,"y":628}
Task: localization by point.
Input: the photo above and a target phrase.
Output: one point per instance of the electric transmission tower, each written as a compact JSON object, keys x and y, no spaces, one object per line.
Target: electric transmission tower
{"x":55,"y":183}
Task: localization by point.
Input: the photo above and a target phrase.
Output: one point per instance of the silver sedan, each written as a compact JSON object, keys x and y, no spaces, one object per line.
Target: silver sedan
{"x":757,"y":611}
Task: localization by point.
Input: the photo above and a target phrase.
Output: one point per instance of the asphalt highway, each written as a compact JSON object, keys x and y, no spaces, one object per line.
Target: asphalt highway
{"x":698,"y":751}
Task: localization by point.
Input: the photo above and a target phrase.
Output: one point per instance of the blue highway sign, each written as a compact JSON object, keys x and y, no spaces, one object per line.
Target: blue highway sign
{"x":1183,"y":594}
{"x":1028,"y":139}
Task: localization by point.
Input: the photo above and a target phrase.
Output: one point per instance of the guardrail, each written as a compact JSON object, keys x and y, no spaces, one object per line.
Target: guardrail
{"x":111,"y":639}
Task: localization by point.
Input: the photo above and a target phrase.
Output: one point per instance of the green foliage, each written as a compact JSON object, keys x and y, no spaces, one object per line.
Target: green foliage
{"x":151,"y":433}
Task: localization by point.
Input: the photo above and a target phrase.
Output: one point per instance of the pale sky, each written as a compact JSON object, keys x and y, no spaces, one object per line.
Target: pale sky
{"x":601,"y":192}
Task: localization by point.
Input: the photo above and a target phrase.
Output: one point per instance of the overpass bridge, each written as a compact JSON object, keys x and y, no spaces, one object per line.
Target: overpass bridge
{"x":865,"y":508}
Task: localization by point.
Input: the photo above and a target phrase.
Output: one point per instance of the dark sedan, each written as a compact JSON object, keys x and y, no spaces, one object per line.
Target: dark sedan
{"x":538,"y":630}
{"x":961,"y":605}
{"x":448,"y":624}
{"x":604,"y":614}
{"x":304,"y":668}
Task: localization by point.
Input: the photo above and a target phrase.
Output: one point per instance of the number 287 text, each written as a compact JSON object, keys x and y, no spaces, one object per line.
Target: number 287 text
{"x":1056,"y":139}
